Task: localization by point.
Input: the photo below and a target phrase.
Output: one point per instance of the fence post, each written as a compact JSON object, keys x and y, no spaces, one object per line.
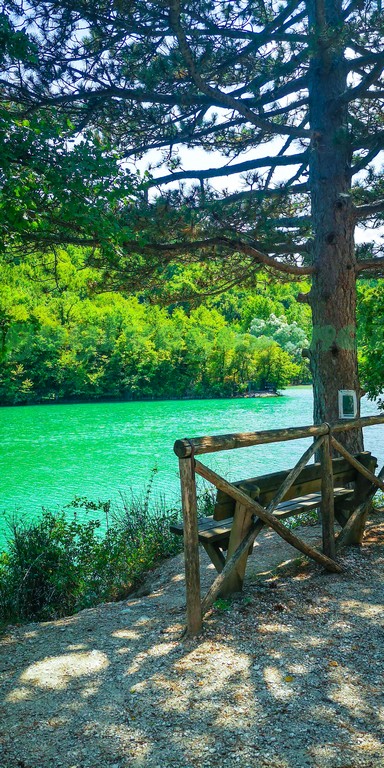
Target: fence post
{"x":191,"y":545}
{"x":327,"y":499}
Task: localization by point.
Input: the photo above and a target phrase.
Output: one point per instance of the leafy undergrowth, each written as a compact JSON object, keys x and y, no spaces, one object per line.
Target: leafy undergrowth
{"x":58,"y":565}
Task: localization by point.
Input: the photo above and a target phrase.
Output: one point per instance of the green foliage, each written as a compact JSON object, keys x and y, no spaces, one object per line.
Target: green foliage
{"x":223,"y":605}
{"x":59,"y":565}
{"x":60,"y":341}
{"x":47,"y":566}
{"x":275,"y":369}
{"x":288,"y":335}
{"x":100,"y":87}
{"x":370,"y":336}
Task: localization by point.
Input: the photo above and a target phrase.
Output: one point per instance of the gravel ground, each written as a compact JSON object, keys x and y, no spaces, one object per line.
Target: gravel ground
{"x":289,"y":675}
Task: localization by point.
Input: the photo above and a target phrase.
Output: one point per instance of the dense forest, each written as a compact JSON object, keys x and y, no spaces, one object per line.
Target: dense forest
{"x":64,"y":339}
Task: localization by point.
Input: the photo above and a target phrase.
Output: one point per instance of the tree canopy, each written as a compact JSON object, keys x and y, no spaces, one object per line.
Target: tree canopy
{"x":89,"y":88}
{"x":286,"y":96}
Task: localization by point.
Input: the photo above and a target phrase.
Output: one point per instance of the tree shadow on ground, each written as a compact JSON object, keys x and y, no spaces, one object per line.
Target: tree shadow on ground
{"x":289,"y":676}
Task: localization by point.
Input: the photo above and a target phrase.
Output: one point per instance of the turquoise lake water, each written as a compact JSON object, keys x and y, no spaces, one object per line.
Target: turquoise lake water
{"x":50,"y":454}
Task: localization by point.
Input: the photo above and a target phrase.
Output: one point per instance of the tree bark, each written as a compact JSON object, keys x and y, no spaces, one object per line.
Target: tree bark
{"x":333,"y":355}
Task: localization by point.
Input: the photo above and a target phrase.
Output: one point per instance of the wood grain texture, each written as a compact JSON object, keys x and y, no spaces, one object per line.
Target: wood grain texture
{"x":191,"y":545}
{"x":358,"y":465}
{"x":211,"y":444}
{"x":327,"y":507}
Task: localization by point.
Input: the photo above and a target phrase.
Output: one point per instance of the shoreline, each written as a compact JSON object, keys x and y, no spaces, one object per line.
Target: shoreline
{"x":89,"y":401}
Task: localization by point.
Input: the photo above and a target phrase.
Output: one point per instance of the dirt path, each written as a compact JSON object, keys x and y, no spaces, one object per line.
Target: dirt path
{"x":291,"y":676}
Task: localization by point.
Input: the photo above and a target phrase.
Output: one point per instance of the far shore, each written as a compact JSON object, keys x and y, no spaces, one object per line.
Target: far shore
{"x":106,"y":399}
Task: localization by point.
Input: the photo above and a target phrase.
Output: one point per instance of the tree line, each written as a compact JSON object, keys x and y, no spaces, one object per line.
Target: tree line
{"x":61,"y":340}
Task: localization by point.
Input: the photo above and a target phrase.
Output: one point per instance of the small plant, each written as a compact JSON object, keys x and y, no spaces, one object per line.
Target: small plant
{"x":222,"y":604}
{"x":205,"y":501}
{"x":378,"y":500}
{"x":46,"y":566}
{"x":311,"y":517}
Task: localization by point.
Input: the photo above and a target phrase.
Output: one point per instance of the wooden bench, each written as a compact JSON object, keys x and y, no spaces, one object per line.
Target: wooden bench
{"x":224,"y":530}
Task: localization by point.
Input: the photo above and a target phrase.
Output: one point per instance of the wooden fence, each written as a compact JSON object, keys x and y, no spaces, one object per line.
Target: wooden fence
{"x":324,"y":442}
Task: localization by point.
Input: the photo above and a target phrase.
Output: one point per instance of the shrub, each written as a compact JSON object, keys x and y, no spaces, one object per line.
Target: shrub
{"x":59,"y":565}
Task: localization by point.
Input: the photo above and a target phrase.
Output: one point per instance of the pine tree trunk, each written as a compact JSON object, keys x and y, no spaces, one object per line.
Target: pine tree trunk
{"x":333,"y":293}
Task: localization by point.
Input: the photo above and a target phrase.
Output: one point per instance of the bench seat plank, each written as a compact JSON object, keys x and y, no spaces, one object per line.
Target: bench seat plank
{"x":211,"y":530}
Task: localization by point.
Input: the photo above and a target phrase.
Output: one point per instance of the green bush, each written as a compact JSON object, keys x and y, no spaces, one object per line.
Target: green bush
{"x":58,"y":565}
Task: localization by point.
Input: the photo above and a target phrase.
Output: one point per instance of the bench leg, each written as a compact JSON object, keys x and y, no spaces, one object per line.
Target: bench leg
{"x":242,"y":521}
{"x":362,"y":489}
{"x":215,"y":554}
{"x":345,"y":509}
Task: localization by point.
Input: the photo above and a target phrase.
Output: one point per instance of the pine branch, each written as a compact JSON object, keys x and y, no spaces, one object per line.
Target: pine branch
{"x":234,"y":245}
{"x":371,"y":265}
{"x":368,"y":210}
{"x":353,"y":6}
{"x":256,"y":194}
{"x":170,"y":251}
{"x":228,"y":170}
{"x":293,"y":105}
{"x":373,"y":95}
{"x":212,"y":98}
{"x":256,"y":38}
{"x":370,"y":141}
{"x":376,"y":57}
{"x":353,"y":93}
{"x":225,"y":100}
{"x":291,"y":221}
{"x":364,"y":161}
{"x":188,"y":136}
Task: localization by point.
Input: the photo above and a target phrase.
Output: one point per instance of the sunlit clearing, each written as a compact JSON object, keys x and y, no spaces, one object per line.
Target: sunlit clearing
{"x":19,"y":694}
{"x":266,"y":628}
{"x":161,"y":650}
{"x":361,"y":609}
{"x":349,"y":695}
{"x":58,"y":671}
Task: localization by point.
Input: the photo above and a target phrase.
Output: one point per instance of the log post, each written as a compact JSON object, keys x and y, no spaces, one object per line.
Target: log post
{"x":217,"y":586}
{"x":327,"y":500}
{"x":363,"y":488}
{"x":191,"y":545}
{"x":242,"y":523}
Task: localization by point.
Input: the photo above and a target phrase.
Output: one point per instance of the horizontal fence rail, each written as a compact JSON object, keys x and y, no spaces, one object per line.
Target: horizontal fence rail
{"x":364,"y":421}
{"x":213,"y":443}
{"x":199,"y":445}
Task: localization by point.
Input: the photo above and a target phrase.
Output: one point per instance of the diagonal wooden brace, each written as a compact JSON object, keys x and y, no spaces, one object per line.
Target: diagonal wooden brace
{"x":242,"y":520}
{"x":264,"y":517}
{"x":344,"y":536}
{"x":291,"y":477}
{"x":376,"y":480}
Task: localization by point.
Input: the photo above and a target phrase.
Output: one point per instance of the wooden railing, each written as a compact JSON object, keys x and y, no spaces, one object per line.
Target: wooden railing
{"x":187,"y":449}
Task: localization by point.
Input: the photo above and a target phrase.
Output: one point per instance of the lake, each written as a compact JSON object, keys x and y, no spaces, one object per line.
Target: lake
{"x":50,"y":454}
